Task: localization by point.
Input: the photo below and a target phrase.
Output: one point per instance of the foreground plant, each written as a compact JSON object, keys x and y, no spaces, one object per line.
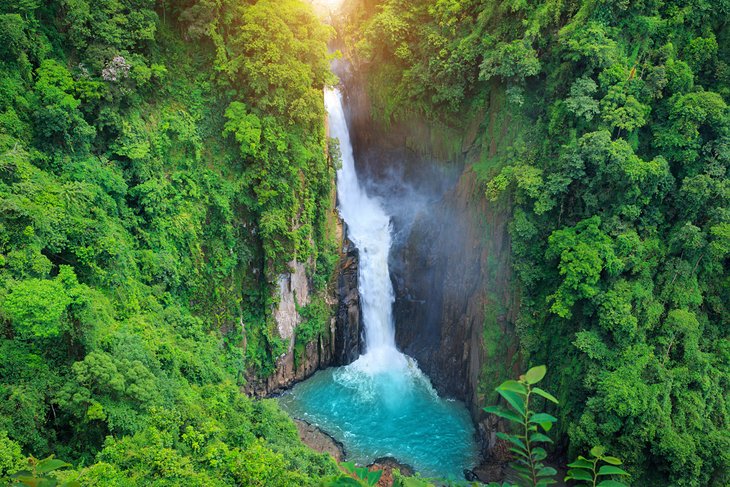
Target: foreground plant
{"x":529,"y":464}
{"x":590,"y":470}
{"x":518,"y":393}
{"x":36,"y":475}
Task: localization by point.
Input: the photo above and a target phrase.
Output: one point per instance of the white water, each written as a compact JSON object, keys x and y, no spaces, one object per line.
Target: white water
{"x":368,"y":227}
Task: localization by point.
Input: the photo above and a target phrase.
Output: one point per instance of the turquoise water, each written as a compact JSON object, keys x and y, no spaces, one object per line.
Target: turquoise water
{"x":388,"y":414}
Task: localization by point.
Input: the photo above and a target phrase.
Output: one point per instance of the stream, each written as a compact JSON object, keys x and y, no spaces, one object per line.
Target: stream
{"x":381,"y":404}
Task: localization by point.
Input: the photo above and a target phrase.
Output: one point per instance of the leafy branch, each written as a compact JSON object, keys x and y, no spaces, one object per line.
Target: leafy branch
{"x":587,"y":470}
{"x":518,"y":393}
{"x":528,"y":465}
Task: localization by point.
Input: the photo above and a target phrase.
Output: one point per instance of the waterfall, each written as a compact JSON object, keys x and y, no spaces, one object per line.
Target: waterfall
{"x":381,"y":404}
{"x":369,"y":228}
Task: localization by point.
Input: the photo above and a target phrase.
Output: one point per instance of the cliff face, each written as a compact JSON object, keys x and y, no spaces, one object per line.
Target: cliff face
{"x":338,"y":346}
{"x":348,"y":318}
{"x":294,"y":288}
{"x":455,"y":303}
{"x":453,"y":287}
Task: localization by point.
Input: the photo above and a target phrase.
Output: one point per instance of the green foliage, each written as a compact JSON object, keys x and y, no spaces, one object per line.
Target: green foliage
{"x":37,"y":308}
{"x":152,"y":187}
{"x":593,"y":470}
{"x":528,"y":466}
{"x":529,"y":456}
{"x":510,"y":61}
{"x":11,"y":458}
{"x":584,"y":252}
{"x":612,"y":150}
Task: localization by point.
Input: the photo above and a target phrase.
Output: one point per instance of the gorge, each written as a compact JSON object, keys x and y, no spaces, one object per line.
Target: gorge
{"x":528,"y":191}
{"x":381,"y":404}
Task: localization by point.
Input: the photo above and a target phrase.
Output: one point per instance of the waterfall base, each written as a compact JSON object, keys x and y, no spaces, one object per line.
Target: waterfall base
{"x":393,"y":411}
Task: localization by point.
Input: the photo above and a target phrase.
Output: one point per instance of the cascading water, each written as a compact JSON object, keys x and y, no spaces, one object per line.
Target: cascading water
{"x":381,"y":404}
{"x":368,"y":227}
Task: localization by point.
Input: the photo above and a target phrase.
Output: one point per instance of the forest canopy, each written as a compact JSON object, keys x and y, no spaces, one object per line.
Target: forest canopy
{"x":616,"y":177}
{"x":151,"y":190}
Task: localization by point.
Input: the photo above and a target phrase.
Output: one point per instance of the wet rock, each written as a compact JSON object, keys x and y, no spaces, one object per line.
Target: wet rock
{"x":319,"y":441}
{"x":348,"y":328}
{"x":470,"y":475}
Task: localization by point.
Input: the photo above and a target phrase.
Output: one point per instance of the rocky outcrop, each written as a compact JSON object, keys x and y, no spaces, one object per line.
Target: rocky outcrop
{"x":294,"y":290}
{"x":319,"y":441}
{"x":387,"y":465}
{"x":348,"y":319}
{"x":340,"y":345}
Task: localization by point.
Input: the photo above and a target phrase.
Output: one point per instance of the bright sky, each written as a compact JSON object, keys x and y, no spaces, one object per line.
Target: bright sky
{"x":327,"y":4}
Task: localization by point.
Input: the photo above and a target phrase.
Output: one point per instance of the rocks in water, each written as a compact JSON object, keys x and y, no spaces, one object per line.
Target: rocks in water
{"x":470,"y":475}
{"x":319,"y":441}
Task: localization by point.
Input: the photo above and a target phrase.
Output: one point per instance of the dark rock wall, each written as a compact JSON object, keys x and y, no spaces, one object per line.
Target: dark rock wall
{"x":348,"y":318}
{"x":455,"y":302}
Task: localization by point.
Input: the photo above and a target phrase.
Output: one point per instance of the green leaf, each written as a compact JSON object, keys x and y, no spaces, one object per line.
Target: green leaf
{"x":611,"y":470}
{"x":542,"y":482}
{"x":539,"y":454}
{"x":598,"y":451}
{"x":344,"y":481}
{"x":503,"y":413}
{"x":581,"y":463}
{"x":545,"y":471}
{"x":413,"y":482}
{"x":612,"y":460}
{"x":514,"y":386}
{"x":525,"y":476}
{"x":579,"y":475}
{"x":512,"y":439}
{"x":515,"y":400}
{"x":50,"y":464}
{"x":611,"y":483}
{"x":374,"y":476}
{"x":542,"y":418}
{"x":544,"y":394}
{"x":361,"y":473}
{"x":535,"y":374}
{"x":538,"y":437}
{"x":521,"y":453}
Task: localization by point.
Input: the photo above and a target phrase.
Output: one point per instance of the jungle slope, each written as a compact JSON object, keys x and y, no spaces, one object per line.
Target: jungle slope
{"x":618,"y":178}
{"x":161,"y":163}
